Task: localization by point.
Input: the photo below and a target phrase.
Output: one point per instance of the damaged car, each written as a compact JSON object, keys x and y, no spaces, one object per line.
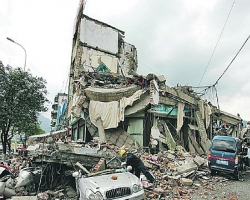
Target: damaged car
{"x":117,"y":184}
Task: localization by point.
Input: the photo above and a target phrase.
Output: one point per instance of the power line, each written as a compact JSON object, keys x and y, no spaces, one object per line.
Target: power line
{"x":232,"y":61}
{"x":227,"y":66}
{"x":214,"y":85}
{"x":216,"y":43}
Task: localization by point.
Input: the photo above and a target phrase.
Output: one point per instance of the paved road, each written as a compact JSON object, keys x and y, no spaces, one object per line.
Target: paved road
{"x":221,"y":187}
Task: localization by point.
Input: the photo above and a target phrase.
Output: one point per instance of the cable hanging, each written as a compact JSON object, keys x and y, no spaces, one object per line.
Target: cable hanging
{"x":231,"y":61}
{"x":212,"y":86}
{"x":216,"y":43}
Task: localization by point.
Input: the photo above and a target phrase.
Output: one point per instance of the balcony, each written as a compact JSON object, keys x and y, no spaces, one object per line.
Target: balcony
{"x":55,"y":106}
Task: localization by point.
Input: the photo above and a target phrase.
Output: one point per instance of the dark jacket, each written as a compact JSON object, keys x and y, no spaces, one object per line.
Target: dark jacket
{"x":133,"y":160}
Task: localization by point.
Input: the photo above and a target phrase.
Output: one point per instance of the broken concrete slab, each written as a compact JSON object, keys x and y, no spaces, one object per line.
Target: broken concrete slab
{"x":84,"y":150}
{"x":185,"y":168}
{"x":199,"y":160}
{"x":186,"y":181}
{"x":24,"y":198}
{"x":170,"y":156}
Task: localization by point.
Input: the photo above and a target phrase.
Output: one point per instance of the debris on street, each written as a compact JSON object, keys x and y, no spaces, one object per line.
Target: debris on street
{"x":45,"y":172}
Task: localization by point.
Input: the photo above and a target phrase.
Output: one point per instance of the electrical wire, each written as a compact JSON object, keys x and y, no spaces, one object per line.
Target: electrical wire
{"x":214,"y":85}
{"x":231,"y":61}
{"x":217,"y":98}
{"x":217,"y":43}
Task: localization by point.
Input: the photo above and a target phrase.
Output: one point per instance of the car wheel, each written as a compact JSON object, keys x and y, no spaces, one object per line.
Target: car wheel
{"x":213,"y":172}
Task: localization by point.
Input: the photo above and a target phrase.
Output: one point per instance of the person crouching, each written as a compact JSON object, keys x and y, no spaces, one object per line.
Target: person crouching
{"x":137,"y":165}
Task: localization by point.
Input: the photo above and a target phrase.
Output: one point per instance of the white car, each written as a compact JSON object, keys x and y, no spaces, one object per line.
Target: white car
{"x":109,"y":184}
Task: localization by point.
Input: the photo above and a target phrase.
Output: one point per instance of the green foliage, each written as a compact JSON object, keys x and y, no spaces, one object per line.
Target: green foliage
{"x":33,"y":129}
{"x":22,"y":97}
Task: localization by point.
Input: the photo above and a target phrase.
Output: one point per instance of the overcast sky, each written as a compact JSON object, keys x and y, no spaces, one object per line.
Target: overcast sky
{"x":190,"y":42}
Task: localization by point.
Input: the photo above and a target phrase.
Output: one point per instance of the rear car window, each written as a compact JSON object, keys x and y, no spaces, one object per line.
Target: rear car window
{"x":223,"y":145}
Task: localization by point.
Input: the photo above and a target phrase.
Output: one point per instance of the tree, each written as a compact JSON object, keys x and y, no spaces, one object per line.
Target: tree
{"x":22,"y":97}
{"x":33,"y":129}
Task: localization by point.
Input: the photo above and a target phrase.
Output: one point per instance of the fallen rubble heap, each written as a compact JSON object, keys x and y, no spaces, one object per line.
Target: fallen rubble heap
{"x":41,"y":174}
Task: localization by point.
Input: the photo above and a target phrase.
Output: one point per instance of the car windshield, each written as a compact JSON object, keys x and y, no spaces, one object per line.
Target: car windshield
{"x":223,"y":145}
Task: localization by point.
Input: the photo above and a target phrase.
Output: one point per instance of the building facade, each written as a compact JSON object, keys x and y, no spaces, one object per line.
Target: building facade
{"x":58,"y":112}
{"x":108,"y":100}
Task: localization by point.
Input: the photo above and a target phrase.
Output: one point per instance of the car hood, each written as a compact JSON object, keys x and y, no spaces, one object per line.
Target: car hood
{"x":105,"y":182}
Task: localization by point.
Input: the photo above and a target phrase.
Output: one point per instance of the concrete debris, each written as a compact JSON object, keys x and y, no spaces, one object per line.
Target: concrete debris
{"x":177,"y":173}
{"x":186,"y":181}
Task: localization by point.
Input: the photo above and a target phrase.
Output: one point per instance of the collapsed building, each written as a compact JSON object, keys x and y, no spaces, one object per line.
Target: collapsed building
{"x":109,"y":100}
{"x":109,"y":105}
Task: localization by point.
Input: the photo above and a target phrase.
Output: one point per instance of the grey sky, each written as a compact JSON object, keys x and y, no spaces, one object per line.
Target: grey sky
{"x":174,"y":38}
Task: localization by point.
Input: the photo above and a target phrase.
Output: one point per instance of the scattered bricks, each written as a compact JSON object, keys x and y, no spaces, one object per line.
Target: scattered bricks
{"x":164,"y":169}
{"x":190,"y":191}
{"x":176,"y":191}
{"x":163,"y":182}
{"x":42,"y":196}
{"x":171,"y":166}
{"x":100,"y":165}
{"x":151,"y":196}
{"x":183,"y":192}
{"x":111,"y":147}
{"x":147,"y":164}
{"x":173,"y":182}
{"x":164,"y":187}
{"x":165,"y":162}
{"x":169,"y":188}
{"x":155,"y":164}
{"x":159,"y":191}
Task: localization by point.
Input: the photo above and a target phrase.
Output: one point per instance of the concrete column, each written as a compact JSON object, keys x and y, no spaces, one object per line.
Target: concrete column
{"x":101,"y":131}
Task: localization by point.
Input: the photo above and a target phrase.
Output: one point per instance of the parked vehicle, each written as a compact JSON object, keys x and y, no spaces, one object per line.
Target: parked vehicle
{"x":226,"y":155}
{"x":118,"y":184}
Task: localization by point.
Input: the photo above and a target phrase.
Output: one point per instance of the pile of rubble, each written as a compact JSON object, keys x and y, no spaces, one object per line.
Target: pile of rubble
{"x":177,"y":173}
{"x":19,"y":178}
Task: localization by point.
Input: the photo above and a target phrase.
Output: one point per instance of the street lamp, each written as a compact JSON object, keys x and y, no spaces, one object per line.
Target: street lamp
{"x":23,"y":49}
